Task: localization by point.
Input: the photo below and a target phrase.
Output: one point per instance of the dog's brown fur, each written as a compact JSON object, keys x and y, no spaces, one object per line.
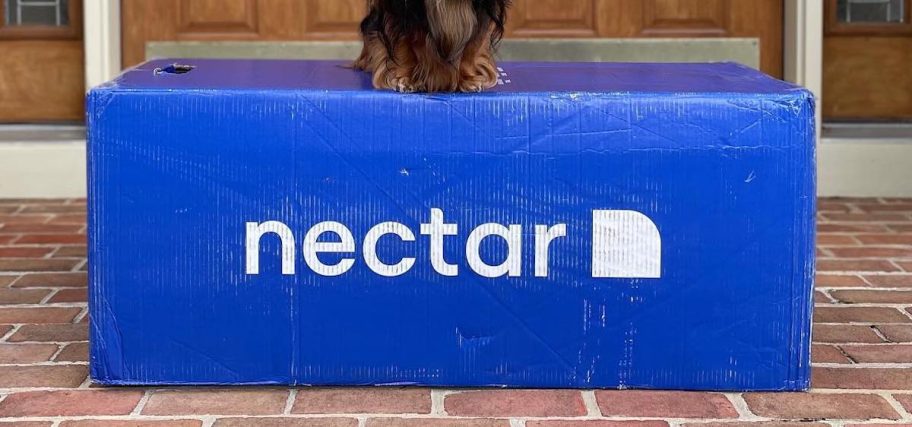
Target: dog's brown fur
{"x":451,"y":50}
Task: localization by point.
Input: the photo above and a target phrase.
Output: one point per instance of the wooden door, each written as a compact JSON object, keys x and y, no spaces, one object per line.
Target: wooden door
{"x":42,"y":76}
{"x":867,"y":60}
{"x":148,"y":20}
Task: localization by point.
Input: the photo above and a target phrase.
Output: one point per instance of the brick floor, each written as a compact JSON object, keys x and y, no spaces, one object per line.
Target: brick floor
{"x":862,"y":350}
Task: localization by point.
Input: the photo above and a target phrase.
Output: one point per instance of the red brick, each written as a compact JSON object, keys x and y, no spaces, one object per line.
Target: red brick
{"x":39,"y":315}
{"x":898,"y":228}
{"x":74,"y":239}
{"x":873,"y":296}
{"x":866,"y":217}
{"x":859,"y":314}
{"x":68,"y":219}
{"x":76,"y":352}
{"x":362,"y":400}
{"x":7,"y":280}
{"x":8,"y":209}
{"x":41,"y":228}
{"x":51,"y":280}
{"x":438,"y":422}
{"x":758,"y":424}
{"x":131,"y":423}
{"x":24,"y":251}
{"x":22,"y":296}
{"x":27,"y":264}
{"x":827,"y":354}
{"x":668,"y":404}
{"x":70,"y":403}
{"x":871,"y":252}
{"x":24,"y":219}
{"x":838,"y":281}
{"x":217,"y":402}
{"x":845,"y":334}
{"x":506,"y":403}
{"x":833,"y":207}
{"x":25,"y":424}
{"x":74,"y":251}
{"x":41,"y":376}
{"x":835,"y":239}
{"x":821,"y":298}
{"x":905,"y":400}
{"x":880,"y":353}
{"x":886,"y":239}
{"x":26,"y":353}
{"x":906,"y":266}
{"x":596,"y":423}
{"x":69,"y":295}
{"x":862,"y":378}
{"x":286,"y":422}
{"x":890,"y":281}
{"x":879,"y":425}
{"x":819,"y":406}
{"x":53,"y":208}
{"x":866,"y":265}
{"x":7,"y":239}
{"x":52,"y":333}
{"x":880,"y":207}
{"x":852,"y":228}
{"x":4,"y":329}
{"x":896,"y":333}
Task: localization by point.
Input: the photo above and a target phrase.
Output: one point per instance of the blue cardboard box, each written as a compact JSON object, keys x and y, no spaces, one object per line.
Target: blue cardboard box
{"x":582,"y":225}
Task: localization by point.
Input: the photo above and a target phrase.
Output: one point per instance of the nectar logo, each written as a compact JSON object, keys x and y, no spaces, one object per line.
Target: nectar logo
{"x":625,"y":244}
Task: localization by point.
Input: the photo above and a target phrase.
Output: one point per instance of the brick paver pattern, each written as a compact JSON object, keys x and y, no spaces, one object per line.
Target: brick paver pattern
{"x":862,"y":352}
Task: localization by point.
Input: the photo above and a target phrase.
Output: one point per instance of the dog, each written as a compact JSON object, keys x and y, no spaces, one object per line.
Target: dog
{"x":432,"y":45}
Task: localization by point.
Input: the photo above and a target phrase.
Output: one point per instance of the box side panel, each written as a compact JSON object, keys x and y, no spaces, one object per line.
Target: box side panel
{"x":727,"y":181}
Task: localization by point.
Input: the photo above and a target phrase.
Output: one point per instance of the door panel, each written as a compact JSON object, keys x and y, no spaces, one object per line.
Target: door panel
{"x":867,"y":58}
{"x":147,"y":20}
{"x":42,"y":75}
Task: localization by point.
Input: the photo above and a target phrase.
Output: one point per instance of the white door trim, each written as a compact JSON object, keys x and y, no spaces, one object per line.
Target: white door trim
{"x":102,"y":40}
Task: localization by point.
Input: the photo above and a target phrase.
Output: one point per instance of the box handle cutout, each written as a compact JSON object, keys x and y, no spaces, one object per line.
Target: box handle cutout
{"x":174,"y":69}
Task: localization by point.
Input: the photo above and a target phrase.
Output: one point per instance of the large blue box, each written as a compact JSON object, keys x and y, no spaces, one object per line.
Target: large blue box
{"x":582,"y":225}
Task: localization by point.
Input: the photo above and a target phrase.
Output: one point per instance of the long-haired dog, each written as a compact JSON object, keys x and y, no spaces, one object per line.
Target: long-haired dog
{"x":432,"y":45}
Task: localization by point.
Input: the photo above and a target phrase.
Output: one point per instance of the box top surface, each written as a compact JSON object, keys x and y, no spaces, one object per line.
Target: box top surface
{"x":518,"y":77}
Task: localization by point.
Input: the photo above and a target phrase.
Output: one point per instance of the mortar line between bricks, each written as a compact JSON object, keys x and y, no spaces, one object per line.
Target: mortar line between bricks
{"x":516,"y":422}
{"x":82,"y":314}
{"x":44,"y":301}
{"x":362,"y":421}
{"x":591,"y":404}
{"x":744,"y":412}
{"x":79,"y":265}
{"x":56,"y":304}
{"x":898,"y":306}
{"x":898,"y":407}
{"x":86,"y":383}
{"x":865,"y":365}
{"x":879,"y":335}
{"x":52,"y":252}
{"x":11,"y":332}
{"x":289,"y":401}
{"x":60,"y":348}
{"x":438,"y":397}
{"x":207,"y":420}
{"x":142,"y":403}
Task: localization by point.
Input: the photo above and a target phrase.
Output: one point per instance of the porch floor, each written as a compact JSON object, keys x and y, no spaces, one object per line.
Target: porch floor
{"x":862,"y":352}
